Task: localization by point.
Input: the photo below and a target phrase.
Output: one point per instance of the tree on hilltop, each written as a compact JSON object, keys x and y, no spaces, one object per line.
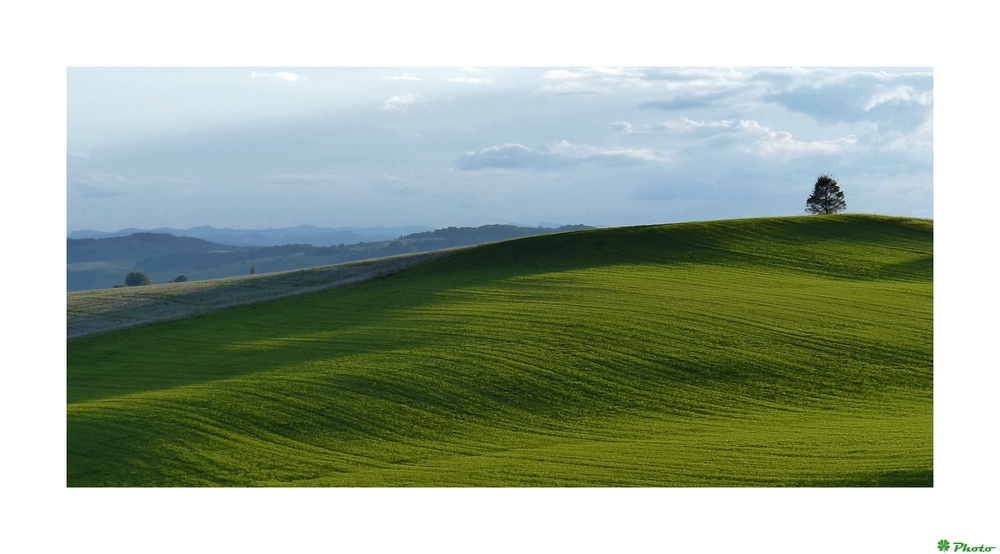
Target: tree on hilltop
{"x":827,"y":198}
{"x":137,"y":278}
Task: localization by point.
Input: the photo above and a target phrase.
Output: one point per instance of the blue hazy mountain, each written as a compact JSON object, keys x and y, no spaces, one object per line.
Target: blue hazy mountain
{"x":102,"y":262}
{"x":301,"y":234}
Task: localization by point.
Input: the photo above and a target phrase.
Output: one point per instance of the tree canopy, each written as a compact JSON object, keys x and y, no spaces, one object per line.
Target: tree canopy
{"x":137,"y":278}
{"x":827,"y":198}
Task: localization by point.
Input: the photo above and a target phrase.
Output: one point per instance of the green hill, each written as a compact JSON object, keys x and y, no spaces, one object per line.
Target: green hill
{"x":763,"y":352}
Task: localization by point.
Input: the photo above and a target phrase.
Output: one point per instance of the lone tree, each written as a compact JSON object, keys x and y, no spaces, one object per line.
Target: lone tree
{"x":827,"y":198}
{"x":137,"y":278}
{"x":180,"y":279}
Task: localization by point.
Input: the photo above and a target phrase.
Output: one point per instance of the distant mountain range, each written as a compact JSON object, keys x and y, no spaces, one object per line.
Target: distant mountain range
{"x":96,"y":263}
{"x":302,"y":234}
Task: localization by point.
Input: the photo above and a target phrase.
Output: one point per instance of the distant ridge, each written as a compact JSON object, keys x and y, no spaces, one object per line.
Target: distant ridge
{"x":100,"y":263}
{"x":301,"y":234}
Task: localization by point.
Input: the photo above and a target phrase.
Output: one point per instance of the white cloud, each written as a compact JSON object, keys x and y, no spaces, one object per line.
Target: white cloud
{"x":280,"y":75}
{"x":586,"y":152}
{"x":561,"y":74}
{"x":472,"y":69}
{"x":638,"y":154}
{"x":559,"y":154}
{"x":902,"y":94}
{"x":919,"y":143}
{"x":742,"y":136}
{"x":832,"y":96}
{"x":594,"y":80}
{"x":569,"y":87}
{"x":628,"y":77}
{"x":508,"y":155}
{"x":607,"y":71}
{"x":682,"y":125}
{"x":397,"y":102}
{"x":687,"y":125}
{"x":470,"y":80}
{"x":401,"y":78}
{"x":767,"y":143}
{"x":622,"y":127}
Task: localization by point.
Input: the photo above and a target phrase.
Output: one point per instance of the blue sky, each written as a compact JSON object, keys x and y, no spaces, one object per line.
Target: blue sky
{"x":253,"y":147}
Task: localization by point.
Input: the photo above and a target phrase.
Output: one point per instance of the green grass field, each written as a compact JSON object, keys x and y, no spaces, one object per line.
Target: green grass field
{"x":762,"y":352}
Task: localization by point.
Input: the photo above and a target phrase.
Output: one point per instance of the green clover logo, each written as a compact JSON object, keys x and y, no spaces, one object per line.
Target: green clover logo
{"x":943,"y":546}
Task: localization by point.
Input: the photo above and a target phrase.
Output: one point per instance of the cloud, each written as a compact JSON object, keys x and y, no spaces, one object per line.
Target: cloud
{"x":590,"y":80}
{"x":702,"y":77}
{"x":727,"y":136}
{"x":477,"y":77}
{"x":470,"y":80}
{"x":280,"y":75}
{"x":561,"y":74}
{"x":902,"y":99}
{"x":607,"y":74}
{"x":765,"y":142}
{"x":397,"y":102}
{"x":618,"y":76}
{"x":401,"y":78}
{"x":303,"y":178}
{"x":509,"y":155}
{"x":682,"y":125}
{"x":570,"y":87}
{"x":686,"y":102}
{"x":559,"y":154}
{"x":902,"y":94}
{"x":622,"y":127}
{"x":919,"y":143}
{"x":680,"y":82}
{"x":687,"y":125}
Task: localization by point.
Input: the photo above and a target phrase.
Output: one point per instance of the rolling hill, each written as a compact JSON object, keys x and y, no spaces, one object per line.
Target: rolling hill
{"x":763,"y":352}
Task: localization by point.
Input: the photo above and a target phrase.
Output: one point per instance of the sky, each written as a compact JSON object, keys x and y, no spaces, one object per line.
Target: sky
{"x":259,"y":147}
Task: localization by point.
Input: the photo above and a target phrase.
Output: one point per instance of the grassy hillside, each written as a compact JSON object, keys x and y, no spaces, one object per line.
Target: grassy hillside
{"x":763,"y":352}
